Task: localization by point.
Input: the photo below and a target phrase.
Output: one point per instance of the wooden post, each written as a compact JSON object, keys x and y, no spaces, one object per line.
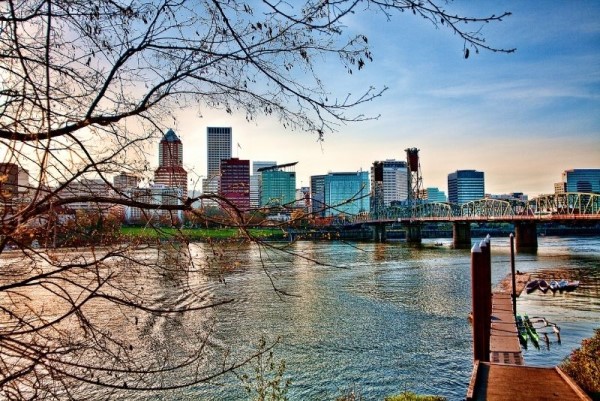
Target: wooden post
{"x":486,"y":294}
{"x":512,"y":272}
{"x":479,"y":303}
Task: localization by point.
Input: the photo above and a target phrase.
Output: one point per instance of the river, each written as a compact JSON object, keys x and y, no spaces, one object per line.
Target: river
{"x":383,"y":318}
{"x":374,"y":318}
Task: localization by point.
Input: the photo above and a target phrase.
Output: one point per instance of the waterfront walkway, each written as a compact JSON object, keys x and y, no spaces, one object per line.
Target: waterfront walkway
{"x":505,"y":376}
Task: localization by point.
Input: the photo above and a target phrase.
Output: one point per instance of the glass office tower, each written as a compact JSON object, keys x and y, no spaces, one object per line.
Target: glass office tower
{"x":465,"y":186}
{"x":347,"y":193}
{"x":582,"y":180}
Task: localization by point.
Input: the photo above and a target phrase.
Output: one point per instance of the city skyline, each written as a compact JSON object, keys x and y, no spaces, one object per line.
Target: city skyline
{"x":521,"y":118}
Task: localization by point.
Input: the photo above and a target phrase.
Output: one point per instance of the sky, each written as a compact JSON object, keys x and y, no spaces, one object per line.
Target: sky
{"x":521,"y":118}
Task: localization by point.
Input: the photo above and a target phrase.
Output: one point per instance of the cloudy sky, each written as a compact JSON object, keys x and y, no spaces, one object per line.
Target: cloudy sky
{"x":521,"y":118}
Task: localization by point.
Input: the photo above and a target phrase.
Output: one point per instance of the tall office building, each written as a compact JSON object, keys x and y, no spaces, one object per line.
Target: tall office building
{"x":582,"y":180}
{"x":465,"y":186}
{"x":255,"y":181}
{"x":390,"y":184}
{"x":218,"y":141}
{"x":346,"y":193}
{"x":235,"y":182}
{"x":278,"y":185}
{"x":317,"y":195}
{"x":170,"y":172}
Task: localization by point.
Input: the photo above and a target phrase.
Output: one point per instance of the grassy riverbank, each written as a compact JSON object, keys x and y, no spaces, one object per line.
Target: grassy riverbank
{"x":200,"y":234}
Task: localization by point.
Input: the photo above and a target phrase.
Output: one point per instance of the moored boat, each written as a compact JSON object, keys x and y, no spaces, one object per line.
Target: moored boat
{"x":532,"y":286}
{"x":572,"y":285}
{"x":543,"y":286}
{"x":562,"y":285}
{"x":533,"y":335}
{"x":553,"y":285}
{"x":523,"y":336}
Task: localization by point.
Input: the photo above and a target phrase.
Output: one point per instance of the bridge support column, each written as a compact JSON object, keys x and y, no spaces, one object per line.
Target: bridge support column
{"x":461,"y":235}
{"x":526,"y":235}
{"x":413,"y":233}
{"x":379,"y":233}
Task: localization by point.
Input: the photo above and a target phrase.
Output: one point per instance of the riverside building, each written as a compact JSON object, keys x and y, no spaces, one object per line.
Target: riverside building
{"x":346,"y":193}
{"x":465,"y":186}
{"x":278,"y":185}
{"x":582,"y":180}
{"x":255,"y":180}
{"x":235,"y":182}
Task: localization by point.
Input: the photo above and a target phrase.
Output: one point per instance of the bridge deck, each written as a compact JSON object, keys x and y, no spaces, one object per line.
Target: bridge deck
{"x":506,"y":377}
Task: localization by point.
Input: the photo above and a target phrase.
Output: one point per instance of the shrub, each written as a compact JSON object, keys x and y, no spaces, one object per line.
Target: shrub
{"x":583,"y":365}
{"x":410,"y":396}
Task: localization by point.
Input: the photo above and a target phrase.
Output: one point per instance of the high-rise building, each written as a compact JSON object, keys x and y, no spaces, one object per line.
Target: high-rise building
{"x":218,"y":141}
{"x":346,"y":193}
{"x":389,"y":181}
{"x":235,"y":182}
{"x":317,"y":195}
{"x":278,"y":185}
{"x":170,"y":172}
{"x":255,"y":181}
{"x":582,"y":180}
{"x":465,"y":186}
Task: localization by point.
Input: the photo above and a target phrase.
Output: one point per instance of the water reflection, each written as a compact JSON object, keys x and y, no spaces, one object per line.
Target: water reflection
{"x":383,"y":317}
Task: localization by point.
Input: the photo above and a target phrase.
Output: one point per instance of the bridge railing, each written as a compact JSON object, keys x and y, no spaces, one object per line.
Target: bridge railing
{"x":570,"y":204}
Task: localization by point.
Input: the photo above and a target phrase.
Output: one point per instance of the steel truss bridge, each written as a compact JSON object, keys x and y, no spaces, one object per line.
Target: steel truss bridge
{"x":568,"y":206}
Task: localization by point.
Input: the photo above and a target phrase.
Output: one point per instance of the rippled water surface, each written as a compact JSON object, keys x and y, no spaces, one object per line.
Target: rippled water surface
{"x":378,"y":318}
{"x":383,"y":318}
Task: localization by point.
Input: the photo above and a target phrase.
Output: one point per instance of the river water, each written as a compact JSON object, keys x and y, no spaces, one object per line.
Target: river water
{"x":375,"y":318}
{"x":383,"y":318}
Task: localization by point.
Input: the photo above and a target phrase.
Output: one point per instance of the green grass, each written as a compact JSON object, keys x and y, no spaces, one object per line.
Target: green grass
{"x":199,"y":234}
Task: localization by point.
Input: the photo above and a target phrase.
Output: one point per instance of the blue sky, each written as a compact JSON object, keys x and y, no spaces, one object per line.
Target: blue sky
{"x":522,"y":118}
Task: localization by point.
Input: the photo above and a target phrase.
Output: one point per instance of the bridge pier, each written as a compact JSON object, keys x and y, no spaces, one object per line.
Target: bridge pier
{"x":526,"y":235}
{"x":461,"y":235}
{"x":413,"y":232}
{"x":379,"y":234}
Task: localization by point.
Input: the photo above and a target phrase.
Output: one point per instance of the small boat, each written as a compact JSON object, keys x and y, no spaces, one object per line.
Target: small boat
{"x":553,"y":285}
{"x":572,"y":285}
{"x":543,"y":286}
{"x":532,"y":286}
{"x":533,"y":335}
{"x":562,"y":285}
{"x":523,"y":336}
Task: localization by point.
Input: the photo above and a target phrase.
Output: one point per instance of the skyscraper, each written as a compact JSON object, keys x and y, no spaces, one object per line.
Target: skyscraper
{"x":582,"y":180}
{"x":170,"y":172}
{"x":465,"y":186}
{"x":235,"y":182}
{"x":346,"y":193}
{"x":218,"y":141}
{"x":391,"y":183}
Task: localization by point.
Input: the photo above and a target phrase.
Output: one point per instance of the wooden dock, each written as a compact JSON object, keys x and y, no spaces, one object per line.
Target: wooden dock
{"x":505,"y":376}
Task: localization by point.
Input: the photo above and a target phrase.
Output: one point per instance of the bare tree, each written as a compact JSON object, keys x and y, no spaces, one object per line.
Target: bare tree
{"x":85,"y":85}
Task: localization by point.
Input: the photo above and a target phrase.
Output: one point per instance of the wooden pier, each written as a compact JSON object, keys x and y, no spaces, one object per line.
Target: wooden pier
{"x":501,"y":373}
